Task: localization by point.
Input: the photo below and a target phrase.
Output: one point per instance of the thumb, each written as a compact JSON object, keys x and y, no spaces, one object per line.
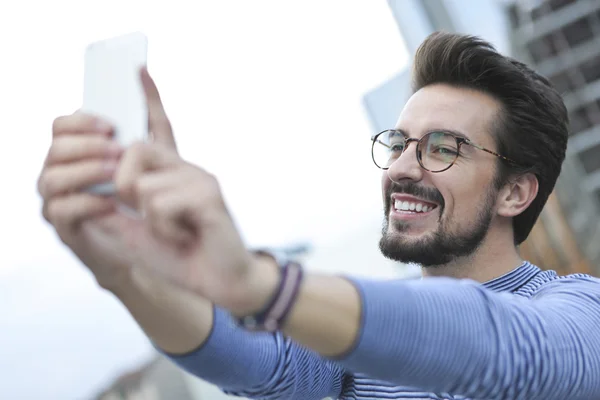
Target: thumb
{"x":158,"y":122}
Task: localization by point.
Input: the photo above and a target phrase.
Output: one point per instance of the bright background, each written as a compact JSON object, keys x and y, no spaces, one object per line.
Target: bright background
{"x":265,"y":94}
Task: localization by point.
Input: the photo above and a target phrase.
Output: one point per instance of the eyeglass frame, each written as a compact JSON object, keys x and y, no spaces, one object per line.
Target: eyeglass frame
{"x":460,"y":140}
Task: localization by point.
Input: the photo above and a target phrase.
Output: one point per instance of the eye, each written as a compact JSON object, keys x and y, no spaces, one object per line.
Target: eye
{"x":444,"y":151}
{"x":397,"y":147}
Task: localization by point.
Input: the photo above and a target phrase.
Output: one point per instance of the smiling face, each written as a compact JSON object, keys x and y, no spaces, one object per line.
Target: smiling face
{"x":433,"y":218}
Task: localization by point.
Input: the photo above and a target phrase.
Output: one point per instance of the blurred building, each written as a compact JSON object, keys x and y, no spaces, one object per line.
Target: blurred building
{"x":158,"y":380}
{"x":561,"y":39}
{"x":417,"y":19}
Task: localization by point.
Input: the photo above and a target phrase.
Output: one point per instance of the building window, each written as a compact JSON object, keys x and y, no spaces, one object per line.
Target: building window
{"x":542,"y":48}
{"x":594,"y":112}
{"x":513,"y":14}
{"x":546,"y":7}
{"x":562,"y":82}
{"x":558,"y":4}
{"x":579,"y":120}
{"x":538,"y":12}
{"x":590,"y":159}
{"x":578,"y":32}
{"x":591,"y":69}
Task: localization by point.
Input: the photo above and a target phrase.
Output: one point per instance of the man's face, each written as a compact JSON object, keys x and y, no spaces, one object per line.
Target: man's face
{"x":457,"y":206}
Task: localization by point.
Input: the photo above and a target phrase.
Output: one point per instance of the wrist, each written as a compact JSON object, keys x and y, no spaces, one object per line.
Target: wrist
{"x":260,"y":286}
{"x":116,"y":281}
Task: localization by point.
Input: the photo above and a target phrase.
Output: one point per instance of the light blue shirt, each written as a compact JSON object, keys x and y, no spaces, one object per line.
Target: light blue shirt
{"x":529,"y":335}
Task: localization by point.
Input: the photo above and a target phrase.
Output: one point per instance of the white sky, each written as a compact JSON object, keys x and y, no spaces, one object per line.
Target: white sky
{"x":266,"y":94}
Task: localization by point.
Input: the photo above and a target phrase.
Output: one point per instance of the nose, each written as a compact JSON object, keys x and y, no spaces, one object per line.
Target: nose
{"x":406,"y":166}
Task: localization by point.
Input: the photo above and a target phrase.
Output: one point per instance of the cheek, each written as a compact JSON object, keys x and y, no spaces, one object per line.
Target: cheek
{"x":467,"y":196}
{"x":385,"y":184}
{"x":464,"y":204}
{"x":460,"y":194}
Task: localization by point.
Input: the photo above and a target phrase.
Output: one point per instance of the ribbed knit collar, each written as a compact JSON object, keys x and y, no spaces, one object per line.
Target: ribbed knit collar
{"x":514,"y":279}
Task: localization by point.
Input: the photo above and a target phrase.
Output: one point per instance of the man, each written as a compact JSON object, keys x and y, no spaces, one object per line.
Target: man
{"x":475,"y":153}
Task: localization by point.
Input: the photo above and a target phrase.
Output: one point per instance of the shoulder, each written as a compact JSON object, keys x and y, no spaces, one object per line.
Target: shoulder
{"x":550,"y":283}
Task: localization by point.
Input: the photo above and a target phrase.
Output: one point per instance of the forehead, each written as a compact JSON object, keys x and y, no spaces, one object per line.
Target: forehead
{"x":442,"y":106}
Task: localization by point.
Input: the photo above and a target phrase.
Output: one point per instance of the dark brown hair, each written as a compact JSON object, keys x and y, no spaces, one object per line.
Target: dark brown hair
{"x":532,"y":128}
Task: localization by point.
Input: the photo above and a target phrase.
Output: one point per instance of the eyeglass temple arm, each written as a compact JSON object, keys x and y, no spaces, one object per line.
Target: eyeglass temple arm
{"x":489,"y":151}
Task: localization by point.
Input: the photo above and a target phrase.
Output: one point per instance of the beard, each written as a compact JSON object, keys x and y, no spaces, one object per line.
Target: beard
{"x":439,"y":247}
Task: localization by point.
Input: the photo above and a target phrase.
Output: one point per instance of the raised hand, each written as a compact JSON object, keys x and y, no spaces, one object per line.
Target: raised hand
{"x":188,"y":236}
{"x":185,"y":233}
{"x":83,"y":153}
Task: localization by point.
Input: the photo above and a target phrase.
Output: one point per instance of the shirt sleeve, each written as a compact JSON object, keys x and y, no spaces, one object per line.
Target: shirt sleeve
{"x":260,"y":365}
{"x":453,"y":336}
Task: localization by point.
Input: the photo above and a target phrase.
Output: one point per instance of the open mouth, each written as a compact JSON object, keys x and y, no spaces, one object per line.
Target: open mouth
{"x":412,"y":205}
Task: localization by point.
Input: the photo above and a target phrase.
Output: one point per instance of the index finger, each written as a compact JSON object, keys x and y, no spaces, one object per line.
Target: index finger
{"x":138,"y":159}
{"x":79,"y":122}
{"x":158,"y":121}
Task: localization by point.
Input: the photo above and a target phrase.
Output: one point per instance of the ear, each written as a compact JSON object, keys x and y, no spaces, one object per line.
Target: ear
{"x":517,"y":195}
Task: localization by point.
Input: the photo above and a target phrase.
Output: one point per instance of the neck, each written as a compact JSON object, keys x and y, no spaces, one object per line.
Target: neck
{"x":496,"y":256}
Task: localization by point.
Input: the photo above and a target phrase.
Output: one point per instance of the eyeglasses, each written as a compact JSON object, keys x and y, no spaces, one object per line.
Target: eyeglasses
{"x":436,"y":151}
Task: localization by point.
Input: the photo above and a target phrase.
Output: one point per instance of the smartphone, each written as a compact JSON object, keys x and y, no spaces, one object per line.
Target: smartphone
{"x":112,"y":89}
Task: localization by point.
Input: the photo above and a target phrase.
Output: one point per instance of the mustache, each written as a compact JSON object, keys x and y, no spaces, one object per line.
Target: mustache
{"x":428,"y":194}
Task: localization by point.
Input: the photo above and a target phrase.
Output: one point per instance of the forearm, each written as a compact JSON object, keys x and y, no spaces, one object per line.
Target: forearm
{"x":261,"y":365}
{"x":181,"y":325}
{"x":204,"y":341}
{"x":445,"y":335}
{"x":176,"y":321}
{"x":326,"y":316}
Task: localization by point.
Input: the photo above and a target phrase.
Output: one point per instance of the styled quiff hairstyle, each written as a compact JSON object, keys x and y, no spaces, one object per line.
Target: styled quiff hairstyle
{"x":532,"y":126}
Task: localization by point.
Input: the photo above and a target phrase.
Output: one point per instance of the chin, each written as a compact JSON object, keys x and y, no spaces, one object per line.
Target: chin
{"x":412,"y":249}
{"x":406,"y":231}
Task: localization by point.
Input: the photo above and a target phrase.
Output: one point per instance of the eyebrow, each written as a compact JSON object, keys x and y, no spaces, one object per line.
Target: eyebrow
{"x":454,"y":132}
{"x":451,"y":131}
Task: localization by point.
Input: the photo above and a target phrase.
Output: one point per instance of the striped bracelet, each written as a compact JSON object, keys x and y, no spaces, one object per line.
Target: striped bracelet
{"x":273,"y":315}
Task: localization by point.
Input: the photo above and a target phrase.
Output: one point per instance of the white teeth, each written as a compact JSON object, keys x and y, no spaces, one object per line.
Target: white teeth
{"x":406,"y":206}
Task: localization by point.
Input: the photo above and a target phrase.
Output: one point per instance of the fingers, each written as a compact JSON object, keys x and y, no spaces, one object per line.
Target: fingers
{"x":159,"y":123}
{"x":176,"y":203}
{"x":69,"y":148}
{"x":82,"y":154}
{"x":67,"y":211}
{"x":77,"y":161}
{"x":66,"y":178}
{"x":165,"y":214}
{"x":79,"y":122}
{"x":76,"y":124}
{"x":152,"y":183}
{"x":137,"y":160}
{"x":171,"y":199}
